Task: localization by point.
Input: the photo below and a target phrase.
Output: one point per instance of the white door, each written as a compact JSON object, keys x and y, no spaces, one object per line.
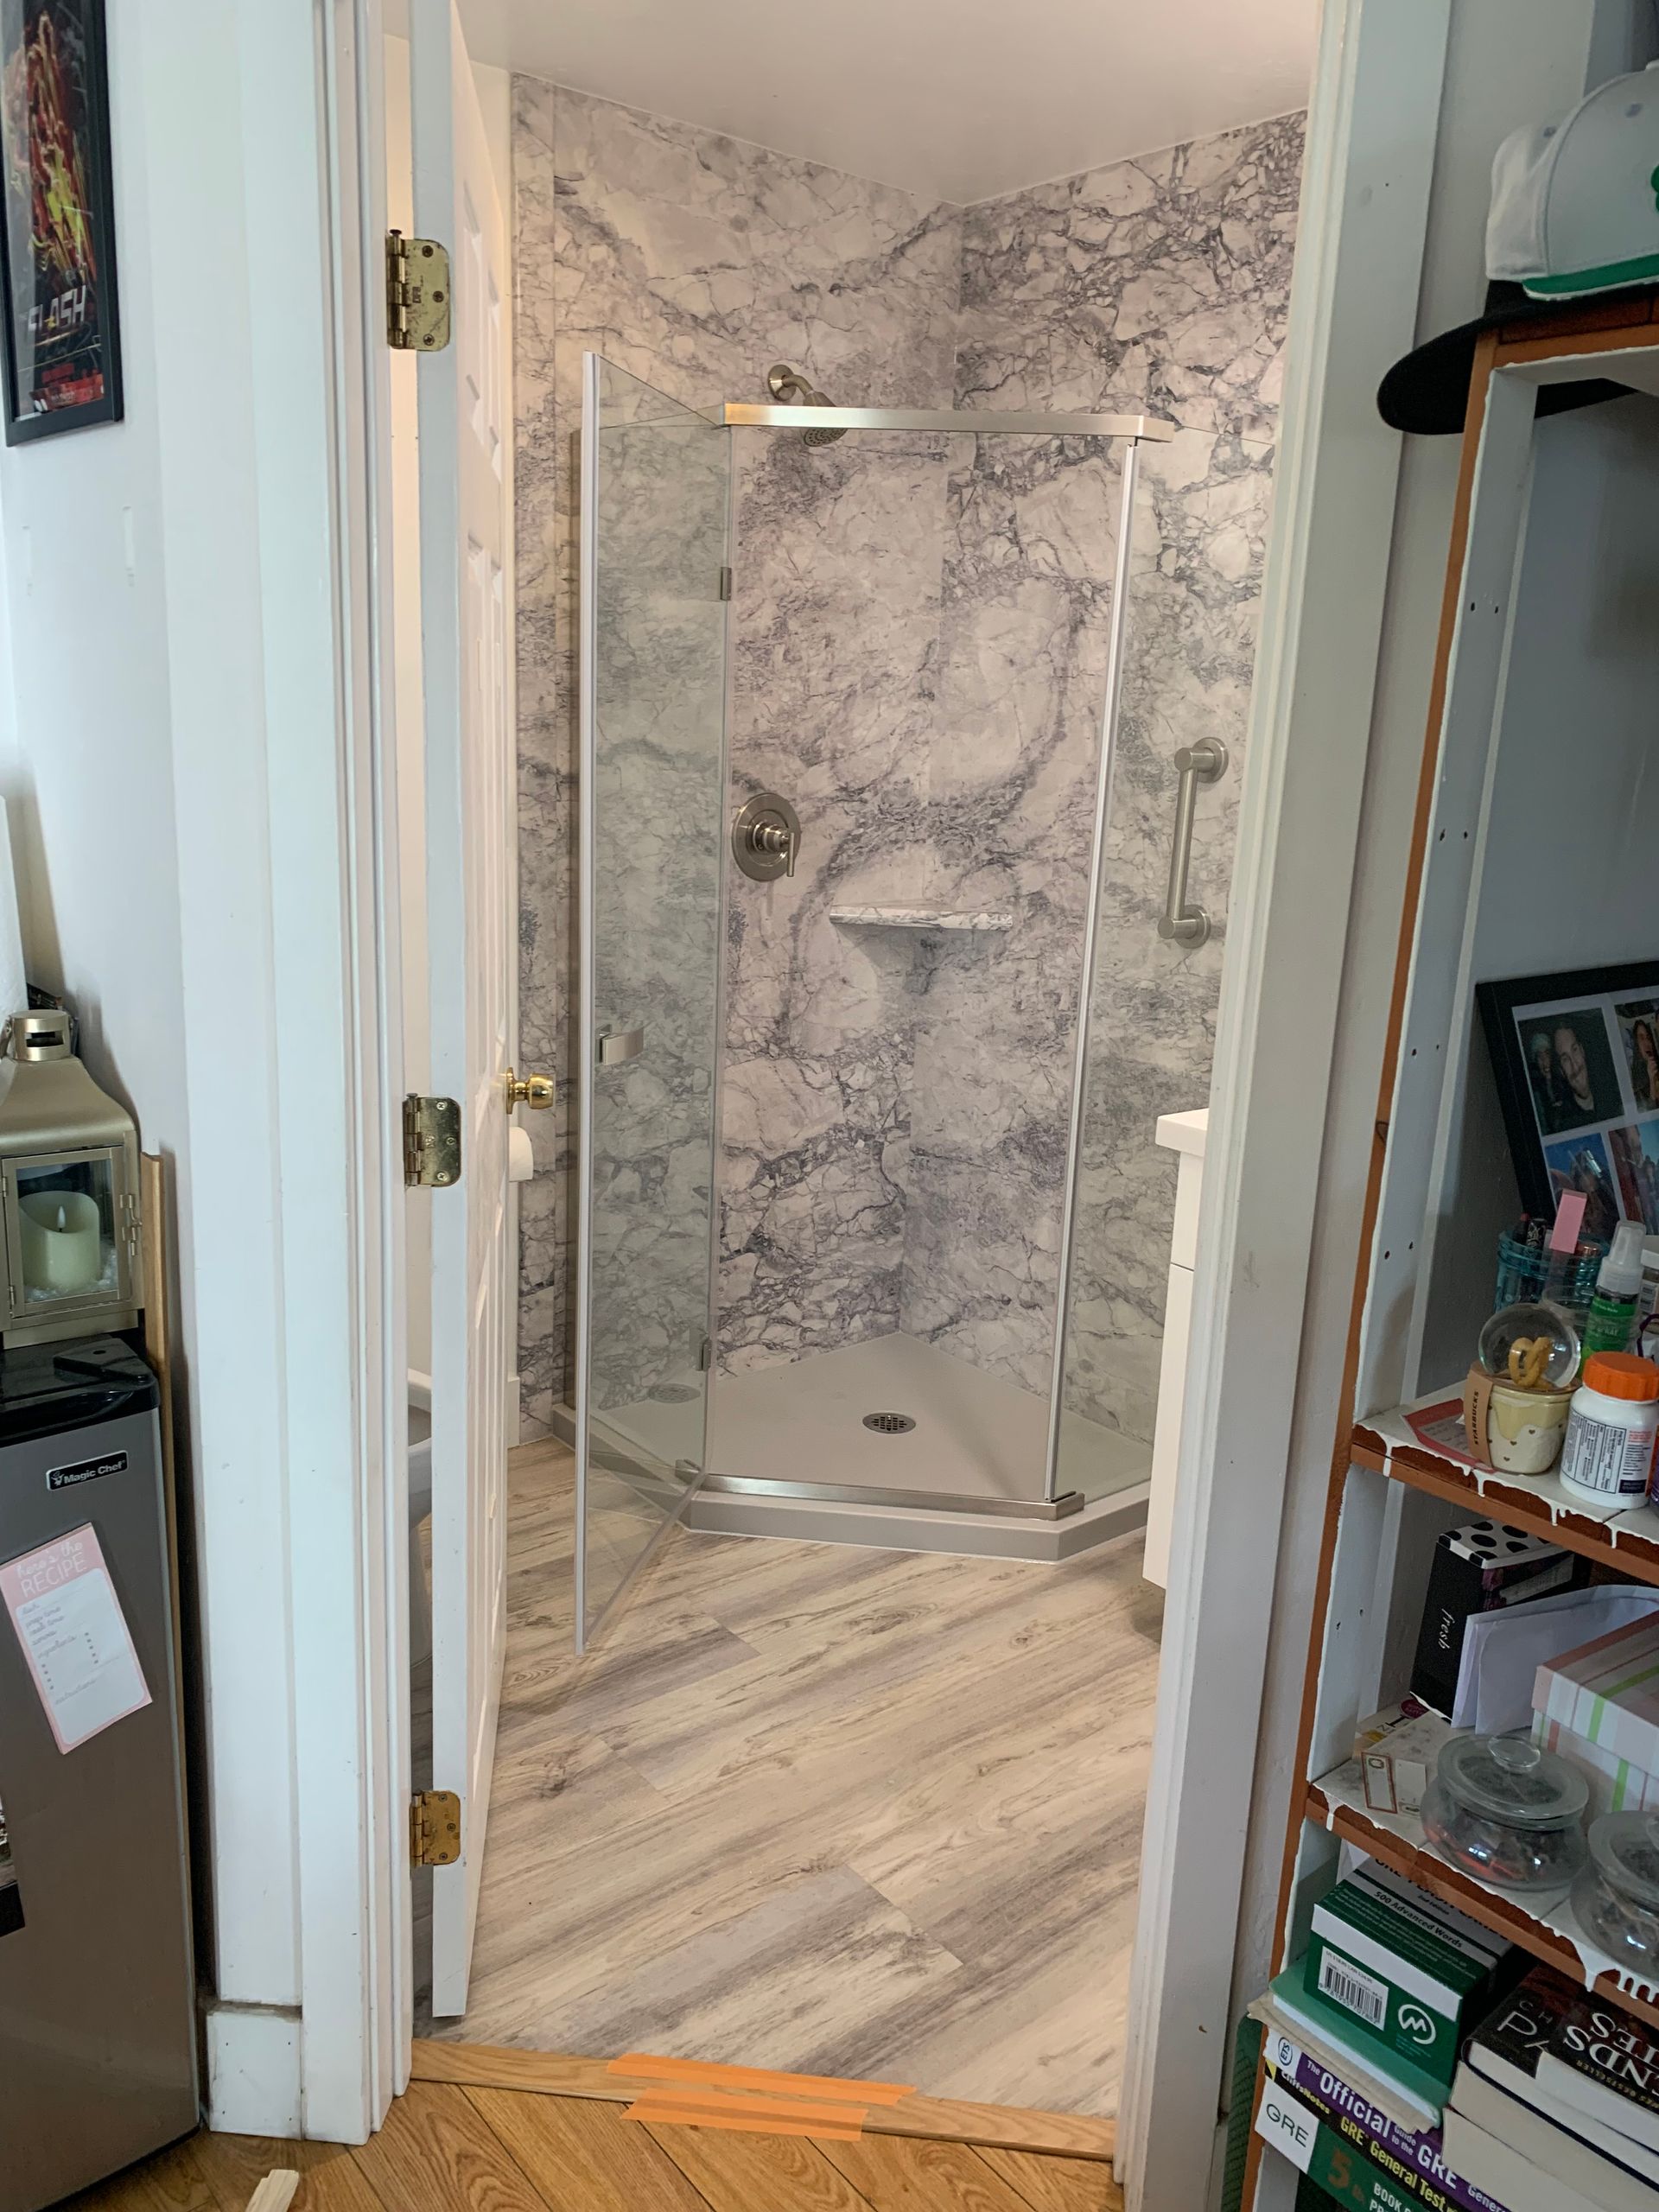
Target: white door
{"x":469,"y":878}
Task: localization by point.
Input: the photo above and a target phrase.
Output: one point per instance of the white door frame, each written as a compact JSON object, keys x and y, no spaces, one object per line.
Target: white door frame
{"x":1373,"y":143}
{"x":1393,"y":208}
{"x":1359,"y":258}
{"x":1373,"y":126}
{"x":312,"y":125}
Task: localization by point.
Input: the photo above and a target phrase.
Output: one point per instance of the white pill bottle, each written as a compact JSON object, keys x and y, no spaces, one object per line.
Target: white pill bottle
{"x":1612,"y":1427}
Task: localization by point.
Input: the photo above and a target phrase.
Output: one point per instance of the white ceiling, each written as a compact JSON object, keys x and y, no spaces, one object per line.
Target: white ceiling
{"x":955,"y":100}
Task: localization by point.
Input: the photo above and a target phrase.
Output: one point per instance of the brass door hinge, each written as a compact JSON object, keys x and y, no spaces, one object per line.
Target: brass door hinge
{"x":434,"y":1828}
{"x":417,"y":294}
{"x":431,"y":1142}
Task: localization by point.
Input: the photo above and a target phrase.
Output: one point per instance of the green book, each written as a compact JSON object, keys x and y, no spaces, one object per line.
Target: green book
{"x":1404,"y":1970}
{"x":1420,"y":2095}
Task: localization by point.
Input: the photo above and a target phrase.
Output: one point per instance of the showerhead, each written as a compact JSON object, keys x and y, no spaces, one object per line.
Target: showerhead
{"x":791,"y":386}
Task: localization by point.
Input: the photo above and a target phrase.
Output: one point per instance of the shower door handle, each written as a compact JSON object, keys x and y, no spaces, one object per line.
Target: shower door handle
{"x":1194,"y":764}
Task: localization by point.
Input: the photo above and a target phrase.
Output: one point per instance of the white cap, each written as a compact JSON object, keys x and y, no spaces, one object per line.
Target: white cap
{"x":1621,"y":1271}
{"x":1575,"y":204}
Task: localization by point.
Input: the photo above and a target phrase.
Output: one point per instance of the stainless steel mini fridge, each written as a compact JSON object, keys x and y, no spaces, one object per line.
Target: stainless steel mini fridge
{"x":97,"y":2051}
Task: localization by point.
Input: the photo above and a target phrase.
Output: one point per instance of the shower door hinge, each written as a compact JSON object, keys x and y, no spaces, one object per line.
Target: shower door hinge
{"x":725,"y":583}
{"x":434,"y":1828}
{"x":431,"y":1142}
{"x":417,"y":294}
{"x":706,"y":1357}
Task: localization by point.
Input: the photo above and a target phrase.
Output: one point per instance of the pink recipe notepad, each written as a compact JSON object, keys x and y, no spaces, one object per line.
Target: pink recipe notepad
{"x":75,"y":1637}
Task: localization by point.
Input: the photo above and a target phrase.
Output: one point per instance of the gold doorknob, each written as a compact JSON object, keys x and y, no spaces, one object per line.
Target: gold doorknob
{"x":529,"y":1090}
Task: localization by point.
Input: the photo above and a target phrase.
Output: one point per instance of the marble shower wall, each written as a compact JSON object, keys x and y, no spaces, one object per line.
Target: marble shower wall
{"x":695,"y":261}
{"x":1159,"y":285}
{"x":917,"y":636}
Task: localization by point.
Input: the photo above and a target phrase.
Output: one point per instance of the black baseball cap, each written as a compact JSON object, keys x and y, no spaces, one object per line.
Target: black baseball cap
{"x":1428,"y":391}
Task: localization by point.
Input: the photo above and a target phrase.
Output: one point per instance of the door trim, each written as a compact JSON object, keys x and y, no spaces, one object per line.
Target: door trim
{"x":312,"y":122}
{"x":1373,"y":135}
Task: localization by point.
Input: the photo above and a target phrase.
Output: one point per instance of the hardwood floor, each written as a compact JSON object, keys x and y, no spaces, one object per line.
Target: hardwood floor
{"x":448,"y":2148}
{"x":820,"y":1809}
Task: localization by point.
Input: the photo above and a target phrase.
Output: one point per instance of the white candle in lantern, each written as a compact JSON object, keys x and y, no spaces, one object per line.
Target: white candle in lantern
{"x":62,"y":1238}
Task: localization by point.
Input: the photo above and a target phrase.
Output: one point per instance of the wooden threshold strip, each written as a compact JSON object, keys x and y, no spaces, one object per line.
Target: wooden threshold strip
{"x":942,"y":2120}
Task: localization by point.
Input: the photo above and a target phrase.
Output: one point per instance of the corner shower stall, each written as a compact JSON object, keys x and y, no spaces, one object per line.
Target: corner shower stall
{"x":850,"y":685}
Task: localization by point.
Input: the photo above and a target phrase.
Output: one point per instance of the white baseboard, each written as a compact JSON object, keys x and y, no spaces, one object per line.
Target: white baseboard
{"x":253,"y":2070}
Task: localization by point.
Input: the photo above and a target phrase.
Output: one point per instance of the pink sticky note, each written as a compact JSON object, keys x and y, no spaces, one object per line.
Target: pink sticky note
{"x":74,"y":1635}
{"x":1569,"y":1219}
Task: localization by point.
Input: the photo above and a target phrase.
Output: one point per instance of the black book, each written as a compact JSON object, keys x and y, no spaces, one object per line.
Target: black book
{"x":1582,"y":2062}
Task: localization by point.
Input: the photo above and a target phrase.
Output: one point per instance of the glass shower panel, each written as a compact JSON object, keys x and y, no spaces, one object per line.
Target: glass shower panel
{"x":653,"y":551}
{"x":1116,"y":1264}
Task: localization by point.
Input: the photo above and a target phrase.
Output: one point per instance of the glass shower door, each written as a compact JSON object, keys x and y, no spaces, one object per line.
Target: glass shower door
{"x":653,"y":551}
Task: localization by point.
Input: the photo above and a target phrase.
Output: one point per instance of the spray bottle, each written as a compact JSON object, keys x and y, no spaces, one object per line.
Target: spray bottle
{"x":1611,"y":1324}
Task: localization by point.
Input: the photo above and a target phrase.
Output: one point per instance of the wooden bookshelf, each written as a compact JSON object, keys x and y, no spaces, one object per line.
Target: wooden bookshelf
{"x":1627,"y":1540}
{"x":1399,"y":1842}
{"x":1497,"y":735}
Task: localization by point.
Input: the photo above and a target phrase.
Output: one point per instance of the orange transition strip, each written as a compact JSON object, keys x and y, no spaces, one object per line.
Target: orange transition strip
{"x":696,"y":2073}
{"x":752,"y":2100}
{"x":837,"y":2123}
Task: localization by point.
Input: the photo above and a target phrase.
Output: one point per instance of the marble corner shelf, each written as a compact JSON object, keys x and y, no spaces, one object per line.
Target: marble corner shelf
{"x":918,"y":917}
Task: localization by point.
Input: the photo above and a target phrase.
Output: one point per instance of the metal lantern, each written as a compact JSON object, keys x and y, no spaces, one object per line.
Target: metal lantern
{"x":68,"y":1190}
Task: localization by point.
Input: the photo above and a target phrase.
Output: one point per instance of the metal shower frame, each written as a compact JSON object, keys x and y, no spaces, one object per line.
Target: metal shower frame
{"x":1133,"y":430}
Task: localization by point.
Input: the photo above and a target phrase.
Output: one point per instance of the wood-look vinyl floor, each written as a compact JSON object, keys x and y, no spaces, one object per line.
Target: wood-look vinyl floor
{"x":820,"y":1809}
{"x":447,"y":2149}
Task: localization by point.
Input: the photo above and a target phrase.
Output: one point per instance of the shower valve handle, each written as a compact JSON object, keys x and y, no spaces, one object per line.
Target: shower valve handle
{"x":775,"y":837}
{"x":766,"y":837}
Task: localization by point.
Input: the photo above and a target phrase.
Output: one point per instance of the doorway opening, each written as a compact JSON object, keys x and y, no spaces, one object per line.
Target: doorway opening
{"x":862,"y":762}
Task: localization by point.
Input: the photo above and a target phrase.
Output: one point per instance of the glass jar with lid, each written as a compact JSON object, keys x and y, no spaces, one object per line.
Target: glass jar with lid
{"x":1507,"y":1812}
{"x":1617,"y":1894}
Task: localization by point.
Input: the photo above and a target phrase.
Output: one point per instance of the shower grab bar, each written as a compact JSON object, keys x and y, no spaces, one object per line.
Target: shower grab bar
{"x":1194,"y":764}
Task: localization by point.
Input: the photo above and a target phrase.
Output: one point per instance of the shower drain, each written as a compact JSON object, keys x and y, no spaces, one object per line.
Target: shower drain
{"x":889,"y":1424}
{"x":673,"y":1393}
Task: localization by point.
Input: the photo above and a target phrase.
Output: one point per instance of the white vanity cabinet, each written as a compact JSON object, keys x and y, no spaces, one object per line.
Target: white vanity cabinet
{"x":1184,"y":1134}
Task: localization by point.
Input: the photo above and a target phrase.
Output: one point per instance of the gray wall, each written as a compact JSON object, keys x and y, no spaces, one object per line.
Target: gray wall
{"x":917,"y":636}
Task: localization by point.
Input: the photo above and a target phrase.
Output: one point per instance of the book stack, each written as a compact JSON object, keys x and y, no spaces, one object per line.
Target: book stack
{"x":1555,"y":2106}
{"x":1361,"y":2045}
{"x":1349,"y":2131}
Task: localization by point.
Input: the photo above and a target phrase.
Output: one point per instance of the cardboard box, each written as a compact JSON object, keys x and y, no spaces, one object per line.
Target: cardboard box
{"x":1405,"y":1969}
{"x":1616,"y":1785}
{"x":1397,"y":1751}
{"x":1608,"y":1692}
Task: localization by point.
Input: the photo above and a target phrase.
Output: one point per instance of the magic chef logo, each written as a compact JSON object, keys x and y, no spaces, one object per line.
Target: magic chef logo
{"x":85,"y":1470}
